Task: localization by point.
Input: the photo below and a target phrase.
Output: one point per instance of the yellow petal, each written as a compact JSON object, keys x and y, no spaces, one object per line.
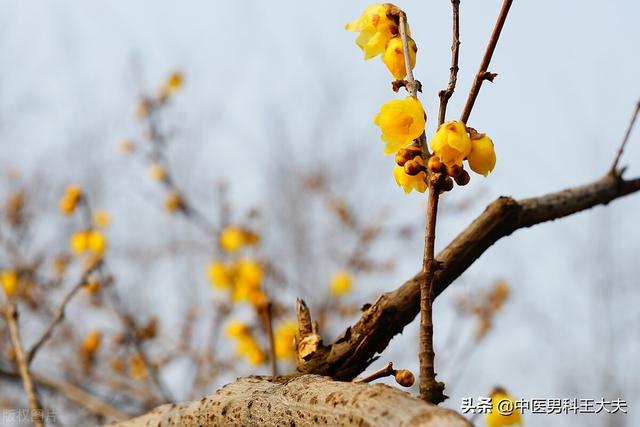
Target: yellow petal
{"x":393,"y":57}
{"x":482,"y":158}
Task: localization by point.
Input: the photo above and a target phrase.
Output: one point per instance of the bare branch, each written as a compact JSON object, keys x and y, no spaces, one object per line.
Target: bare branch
{"x":482,"y":74}
{"x":59,"y":313}
{"x":357,"y":346}
{"x":11,"y":314}
{"x":453,"y":70}
{"x":614,"y":166}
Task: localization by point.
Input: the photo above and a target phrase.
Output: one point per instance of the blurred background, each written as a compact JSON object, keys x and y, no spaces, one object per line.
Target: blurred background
{"x":272,"y":129}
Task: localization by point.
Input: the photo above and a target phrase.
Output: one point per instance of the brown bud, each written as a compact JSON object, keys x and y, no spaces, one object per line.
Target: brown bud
{"x":454,"y":170}
{"x":463,"y":178}
{"x":405,"y":378}
{"x":408,"y":153}
{"x":435,"y":165}
{"x":447,"y":184}
{"x":414,"y":167}
{"x":474,"y":134}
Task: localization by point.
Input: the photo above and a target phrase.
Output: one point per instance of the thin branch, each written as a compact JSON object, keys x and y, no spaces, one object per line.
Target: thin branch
{"x":482,"y":74}
{"x":453,"y":70}
{"x":11,"y":314}
{"x":266,"y":316}
{"x":59,"y":313}
{"x":614,"y":166}
{"x":387,"y":371}
{"x":356,"y":348}
{"x":430,"y":389}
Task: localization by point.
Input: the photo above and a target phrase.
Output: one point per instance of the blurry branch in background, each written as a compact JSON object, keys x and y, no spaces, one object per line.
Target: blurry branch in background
{"x":11,"y":315}
{"x":483,"y":74}
{"x":453,"y":71}
{"x":59,"y":311}
{"x":614,"y":167}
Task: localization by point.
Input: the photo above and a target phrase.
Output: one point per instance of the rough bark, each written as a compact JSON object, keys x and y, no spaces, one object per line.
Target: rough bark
{"x":307,"y":400}
{"x":357,"y":347}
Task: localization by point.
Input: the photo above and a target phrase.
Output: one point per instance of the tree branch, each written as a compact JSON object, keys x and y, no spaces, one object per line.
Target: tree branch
{"x":482,"y":74}
{"x":356,"y":348}
{"x":307,"y":400}
{"x":453,"y":71}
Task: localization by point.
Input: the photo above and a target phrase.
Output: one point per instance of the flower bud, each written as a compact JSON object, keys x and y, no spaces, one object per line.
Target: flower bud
{"x":463,"y":178}
{"x":414,"y":167}
{"x":435,"y":165}
{"x":447,"y":184}
{"x":454,"y":170}
{"x":405,"y":378}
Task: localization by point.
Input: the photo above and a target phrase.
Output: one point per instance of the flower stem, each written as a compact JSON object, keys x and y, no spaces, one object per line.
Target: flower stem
{"x":430,"y":389}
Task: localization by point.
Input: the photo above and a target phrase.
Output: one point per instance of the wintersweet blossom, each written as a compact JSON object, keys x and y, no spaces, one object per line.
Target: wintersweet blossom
{"x":482,"y":158}
{"x":451,"y":143}
{"x":341,"y":283}
{"x":401,"y":121}
{"x":408,"y":182}
{"x":283,"y":338}
{"x":393,"y":57}
{"x":70,"y":199}
{"x":376,"y":26}
{"x":10,"y":281}
{"x":498,"y":417}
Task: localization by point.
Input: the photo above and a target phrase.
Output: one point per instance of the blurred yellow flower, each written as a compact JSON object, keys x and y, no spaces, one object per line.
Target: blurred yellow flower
{"x":175,"y":81}
{"x":10,"y":281}
{"x":246,"y":344}
{"x":482,"y":158}
{"x":248,"y":279}
{"x":451,"y":143}
{"x":376,"y":26}
{"x":407,"y":182}
{"x":101,"y":219}
{"x":157,"y":172}
{"x":503,"y":413}
{"x":283,"y":338}
{"x":220,"y":275}
{"x":173,"y":202}
{"x":137,"y":367}
{"x":233,"y":238}
{"x":88,"y":241}
{"x":97,"y":242}
{"x":70,"y":199}
{"x":79,"y":242}
{"x":401,"y":121}
{"x":126,"y":147}
{"x":91,"y":342}
{"x":341,"y":283}
{"x":393,"y":57}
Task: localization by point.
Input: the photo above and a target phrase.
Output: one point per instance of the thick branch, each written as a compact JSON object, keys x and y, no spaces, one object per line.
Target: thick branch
{"x":358,"y":345}
{"x":307,"y":400}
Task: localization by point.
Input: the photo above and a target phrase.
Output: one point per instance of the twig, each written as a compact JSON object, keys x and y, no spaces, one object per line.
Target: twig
{"x":267,"y":322}
{"x":380,"y":373}
{"x":482,"y":74}
{"x":453,"y":71}
{"x":614,"y":166}
{"x":11,"y":314}
{"x":59,"y":313}
{"x":430,"y":389}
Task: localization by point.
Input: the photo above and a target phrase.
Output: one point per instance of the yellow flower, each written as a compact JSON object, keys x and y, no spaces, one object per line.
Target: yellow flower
{"x":236,"y":329}
{"x":10,"y":281}
{"x":70,"y":199}
{"x":91,"y":342}
{"x":246,"y":344}
{"x":157,"y":172}
{"x":174,"y":82}
{"x":401,"y":121}
{"x":393,"y":57}
{"x":137,"y":367}
{"x":451,"y":143}
{"x":503,"y":414}
{"x":96,"y":243}
{"x":79,"y":242}
{"x":283,"y":338}
{"x":173,"y":202}
{"x":126,"y":147}
{"x":231,"y":239}
{"x":341,"y":283}
{"x":247,"y":281}
{"x":408,"y":182}
{"x":482,"y":158}
{"x":376,"y":26}
{"x":101,"y":219}
{"x":220,"y":275}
